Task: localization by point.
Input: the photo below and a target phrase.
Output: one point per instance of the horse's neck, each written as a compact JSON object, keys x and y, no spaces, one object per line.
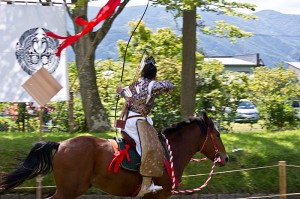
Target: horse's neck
{"x":183,"y":149}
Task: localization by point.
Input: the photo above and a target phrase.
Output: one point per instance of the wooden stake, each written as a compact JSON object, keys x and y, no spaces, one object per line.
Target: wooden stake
{"x":282,"y":179}
{"x":71,"y":112}
{"x":39,"y":178}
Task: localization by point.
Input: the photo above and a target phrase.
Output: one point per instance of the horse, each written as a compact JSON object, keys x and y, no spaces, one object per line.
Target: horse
{"x":81,"y":162}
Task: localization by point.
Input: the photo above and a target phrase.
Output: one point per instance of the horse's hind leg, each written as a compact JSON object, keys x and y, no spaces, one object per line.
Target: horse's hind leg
{"x":72,"y":174}
{"x":69,"y":190}
{"x":69,"y":185}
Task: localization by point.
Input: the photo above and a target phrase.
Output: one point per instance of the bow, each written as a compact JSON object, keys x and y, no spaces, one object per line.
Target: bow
{"x":124,"y":60}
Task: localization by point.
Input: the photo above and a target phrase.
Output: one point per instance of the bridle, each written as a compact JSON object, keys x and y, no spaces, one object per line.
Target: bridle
{"x":217,"y":153}
{"x":216,"y":160}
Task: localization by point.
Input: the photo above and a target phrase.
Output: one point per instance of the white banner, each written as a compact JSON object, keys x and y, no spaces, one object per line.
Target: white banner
{"x":24,"y":48}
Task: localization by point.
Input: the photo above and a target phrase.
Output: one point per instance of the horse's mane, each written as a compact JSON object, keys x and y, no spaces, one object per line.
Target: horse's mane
{"x":176,"y":127}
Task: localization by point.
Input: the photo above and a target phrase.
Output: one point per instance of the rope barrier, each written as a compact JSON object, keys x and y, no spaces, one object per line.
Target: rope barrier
{"x":19,"y":188}
{"x":296,"y":166}
{"x":231,"y":171}
{"x":221,"y":172}
{"x":271,"y":196}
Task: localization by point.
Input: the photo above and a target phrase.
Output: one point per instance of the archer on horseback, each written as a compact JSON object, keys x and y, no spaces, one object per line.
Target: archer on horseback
{"x":139,"y":97}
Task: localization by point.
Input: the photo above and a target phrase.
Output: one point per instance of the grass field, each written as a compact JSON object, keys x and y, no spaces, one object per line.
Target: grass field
{"x":256,"y":149}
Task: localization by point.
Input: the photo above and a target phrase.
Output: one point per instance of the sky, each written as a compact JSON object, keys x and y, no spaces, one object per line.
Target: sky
{"x":283,"y":6}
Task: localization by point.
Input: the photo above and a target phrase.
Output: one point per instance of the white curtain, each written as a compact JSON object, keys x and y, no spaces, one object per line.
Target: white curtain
{"x":24,"y":48}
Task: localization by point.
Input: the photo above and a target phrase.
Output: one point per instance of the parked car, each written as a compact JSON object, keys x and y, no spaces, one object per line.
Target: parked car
{"x":296,"y":107}
{"x":246,"y":112}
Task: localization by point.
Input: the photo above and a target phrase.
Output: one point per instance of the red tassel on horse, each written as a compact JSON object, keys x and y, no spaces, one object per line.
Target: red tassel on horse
{"x":119,"y":156}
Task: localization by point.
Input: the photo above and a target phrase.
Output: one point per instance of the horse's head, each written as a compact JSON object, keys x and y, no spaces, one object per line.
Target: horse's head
{"x":213,"y":146}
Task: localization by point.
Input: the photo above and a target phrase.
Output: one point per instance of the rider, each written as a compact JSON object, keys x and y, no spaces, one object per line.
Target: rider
{"x":140,"y":95}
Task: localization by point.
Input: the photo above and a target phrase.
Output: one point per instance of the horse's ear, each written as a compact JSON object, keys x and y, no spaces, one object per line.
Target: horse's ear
{"x":206,"y":118}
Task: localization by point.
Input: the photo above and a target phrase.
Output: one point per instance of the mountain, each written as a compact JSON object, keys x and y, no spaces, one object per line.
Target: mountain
{"x":276,"y":35}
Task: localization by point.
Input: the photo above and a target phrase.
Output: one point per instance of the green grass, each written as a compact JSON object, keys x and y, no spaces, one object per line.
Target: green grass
{"x":259,"y":149}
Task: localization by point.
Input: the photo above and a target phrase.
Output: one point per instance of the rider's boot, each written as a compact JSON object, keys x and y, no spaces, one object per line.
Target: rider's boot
{"x":148,"y":186}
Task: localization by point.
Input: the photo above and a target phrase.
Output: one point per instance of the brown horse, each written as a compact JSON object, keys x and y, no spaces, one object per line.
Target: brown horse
{"x":83,"y":161}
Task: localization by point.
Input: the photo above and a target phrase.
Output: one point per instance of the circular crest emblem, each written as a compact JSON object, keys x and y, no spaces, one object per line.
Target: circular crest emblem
{"x":35,"y":49}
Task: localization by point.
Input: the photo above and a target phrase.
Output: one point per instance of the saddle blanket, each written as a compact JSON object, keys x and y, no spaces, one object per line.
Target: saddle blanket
{"x":127,"y":157}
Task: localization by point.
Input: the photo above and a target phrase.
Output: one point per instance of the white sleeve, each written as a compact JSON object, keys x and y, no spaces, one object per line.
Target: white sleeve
{"x":149,"y":91}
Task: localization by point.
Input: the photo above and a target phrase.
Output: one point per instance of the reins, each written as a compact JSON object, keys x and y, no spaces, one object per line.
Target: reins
{"x":173,"y":179}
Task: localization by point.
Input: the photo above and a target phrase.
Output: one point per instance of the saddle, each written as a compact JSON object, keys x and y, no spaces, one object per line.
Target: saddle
{"x":126,"y":156}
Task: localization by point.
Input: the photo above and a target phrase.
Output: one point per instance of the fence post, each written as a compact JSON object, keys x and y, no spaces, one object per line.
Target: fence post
{"x":282,"y":179}
{"x":71,"y":112}
{"x":39,"y":178}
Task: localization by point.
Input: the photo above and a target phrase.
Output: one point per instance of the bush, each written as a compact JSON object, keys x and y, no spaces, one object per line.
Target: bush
{"x":273,"y":90}
{"x":7,"y":124}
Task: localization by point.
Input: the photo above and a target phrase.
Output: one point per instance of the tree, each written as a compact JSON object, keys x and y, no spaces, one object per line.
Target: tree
{"x":187,"y":9}
{"x":217,"y":89}
{"x":95,"y":114}
{"x":188,"y":81}
{"x":273,"y":91}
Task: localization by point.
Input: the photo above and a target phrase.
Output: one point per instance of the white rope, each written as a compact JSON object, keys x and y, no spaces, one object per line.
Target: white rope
{"x":221,"y":172}
{"x":16,"y":188}
{"x":231,"y":171}
{"x":296,"y":166}
{"x":271,"y":196}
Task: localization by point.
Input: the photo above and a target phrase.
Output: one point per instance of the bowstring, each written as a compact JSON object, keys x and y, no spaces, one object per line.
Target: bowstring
{"x":124,"y":59}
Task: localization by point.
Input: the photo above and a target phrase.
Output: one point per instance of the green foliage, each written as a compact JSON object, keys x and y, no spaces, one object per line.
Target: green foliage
{"x":73,"y":77}
{"x":165,"y":47}
{"x":166,"y":110}
{"x":162,"y":43}
{"x":225,"y":7}
{"x":273,"y":90}
{"x":217,"y":90}
{"x":221,"y":29}
{"x":226,"y":30}
{"x":7,"y":124}
{"x":80,"y":3}
{"x":108,"y":77}
{"x":18,"y":117}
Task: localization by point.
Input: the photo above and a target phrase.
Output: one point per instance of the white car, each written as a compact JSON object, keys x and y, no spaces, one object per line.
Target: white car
{"x":246,"y":112}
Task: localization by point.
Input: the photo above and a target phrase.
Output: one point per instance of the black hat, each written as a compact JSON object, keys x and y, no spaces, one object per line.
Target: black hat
{"x":150,"y":60}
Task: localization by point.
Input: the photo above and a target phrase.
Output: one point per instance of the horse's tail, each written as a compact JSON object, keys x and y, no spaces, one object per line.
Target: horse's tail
{"x":38,"y":162}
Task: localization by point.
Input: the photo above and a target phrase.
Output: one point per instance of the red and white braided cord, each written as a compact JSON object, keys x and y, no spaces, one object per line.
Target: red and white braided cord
{"x":171,"y":164}
{"x":173,"y":174}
